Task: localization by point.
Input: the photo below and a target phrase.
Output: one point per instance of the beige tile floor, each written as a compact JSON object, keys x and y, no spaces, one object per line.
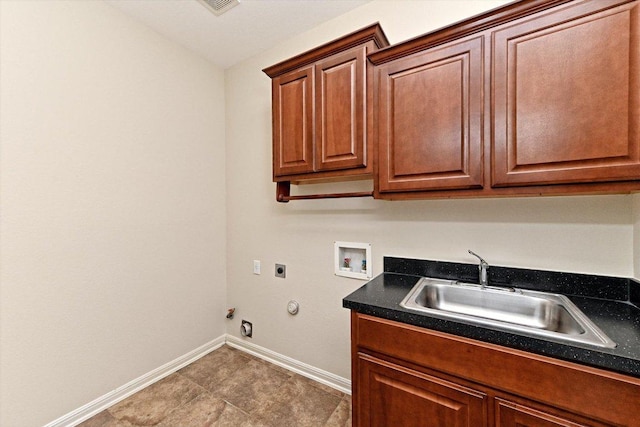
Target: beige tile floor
{"x":228,"y":387}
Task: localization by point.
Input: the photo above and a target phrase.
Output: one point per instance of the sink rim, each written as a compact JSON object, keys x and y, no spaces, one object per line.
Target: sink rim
{"x":592,"y":335}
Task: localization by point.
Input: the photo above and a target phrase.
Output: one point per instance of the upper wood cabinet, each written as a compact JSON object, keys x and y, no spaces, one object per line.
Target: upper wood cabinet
{"x":430,"y":119}
{"x":293,"y":114}
{"x":321,"y":101}
{"x":536,"y":97}
{"x":566,"y":96}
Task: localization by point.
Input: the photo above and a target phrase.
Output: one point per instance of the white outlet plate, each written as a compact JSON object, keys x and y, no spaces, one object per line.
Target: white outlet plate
{"x":256,"y":266}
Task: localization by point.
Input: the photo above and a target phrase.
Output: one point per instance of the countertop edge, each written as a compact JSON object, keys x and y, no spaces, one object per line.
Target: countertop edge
{"x":389,"y":309}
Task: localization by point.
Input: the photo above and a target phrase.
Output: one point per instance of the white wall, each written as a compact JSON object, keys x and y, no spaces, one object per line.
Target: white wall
{"x":113,"y":205}
{"x":578,"y":234}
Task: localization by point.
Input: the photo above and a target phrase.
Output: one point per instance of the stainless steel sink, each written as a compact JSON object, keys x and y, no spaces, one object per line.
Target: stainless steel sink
{"x":531,"y":313}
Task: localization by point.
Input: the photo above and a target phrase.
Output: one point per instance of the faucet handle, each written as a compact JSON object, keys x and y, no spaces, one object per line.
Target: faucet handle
{"x":482,"y":261}
{"x":483,"y":267}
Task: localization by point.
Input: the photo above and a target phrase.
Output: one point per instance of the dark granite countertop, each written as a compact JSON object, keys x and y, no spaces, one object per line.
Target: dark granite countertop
{"x":610,"y":302}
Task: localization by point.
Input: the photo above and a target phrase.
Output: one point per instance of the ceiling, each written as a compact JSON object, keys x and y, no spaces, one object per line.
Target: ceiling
{"x":241,"y":32}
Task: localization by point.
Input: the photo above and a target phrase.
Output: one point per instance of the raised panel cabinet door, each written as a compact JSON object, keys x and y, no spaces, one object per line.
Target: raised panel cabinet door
{"x":293,"y":122}
{"x":510,"y":414}
{"x":430,"y":119}
{"x":341,"y":110}
{"x":566,"y":96}
{"x":391,"y":395}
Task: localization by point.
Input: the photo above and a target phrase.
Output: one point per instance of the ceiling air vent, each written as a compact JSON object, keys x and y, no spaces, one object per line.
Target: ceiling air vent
{"x":218,"y":7}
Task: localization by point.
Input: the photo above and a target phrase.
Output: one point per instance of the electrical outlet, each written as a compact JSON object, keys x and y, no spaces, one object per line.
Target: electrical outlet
{"x":256,"y":266}
{"x":281,"y":270}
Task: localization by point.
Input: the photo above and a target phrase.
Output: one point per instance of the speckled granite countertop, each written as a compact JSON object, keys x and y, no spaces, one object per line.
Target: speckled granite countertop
{"x":611,"y":303}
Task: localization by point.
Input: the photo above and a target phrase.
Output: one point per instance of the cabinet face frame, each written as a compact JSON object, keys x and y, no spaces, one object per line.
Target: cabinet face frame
{"x":576,"y":60}
{"x":430,"y":119}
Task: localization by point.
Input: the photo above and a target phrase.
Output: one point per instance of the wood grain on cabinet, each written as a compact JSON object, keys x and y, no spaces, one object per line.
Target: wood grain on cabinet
{"x":570,"y":391}
{"x":566,"y":96}
{"x":559,"y":114}
{"x":512,"y":414}
{"x":430,"y":113}
{"x":393,"y":395}
{"x":293,"y":122}
{"x":340,"y":103}
{"x":321,"y":109}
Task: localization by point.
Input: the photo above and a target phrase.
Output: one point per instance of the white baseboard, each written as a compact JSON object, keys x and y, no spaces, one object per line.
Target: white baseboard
{"x":100,"y":404}
{"x":103,"y":402}
{"x":323,"y":377}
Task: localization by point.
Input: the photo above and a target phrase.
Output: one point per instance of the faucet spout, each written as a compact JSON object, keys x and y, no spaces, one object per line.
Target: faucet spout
{"x":483,"y":267}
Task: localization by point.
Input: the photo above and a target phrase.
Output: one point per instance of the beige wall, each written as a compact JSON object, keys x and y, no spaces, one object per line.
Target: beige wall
{"x":114,"y":208}
{"x":636,"y":236}
{"x":579,"y":234}
{"x":113,"y":216}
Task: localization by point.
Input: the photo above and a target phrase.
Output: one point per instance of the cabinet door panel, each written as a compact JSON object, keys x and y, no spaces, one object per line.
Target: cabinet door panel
{"x":293,"y":122}
{"x":567,"y":97}
{"x":430,"y":119}
{"x":340,"y":106}
{"x":510,"y":414}
{"x":391,"y":395}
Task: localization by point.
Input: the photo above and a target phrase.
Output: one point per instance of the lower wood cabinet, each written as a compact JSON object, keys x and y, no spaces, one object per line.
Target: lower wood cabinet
{"x":403,"y":375}
{"x":393,"y":395}
{"x":510,"y":414}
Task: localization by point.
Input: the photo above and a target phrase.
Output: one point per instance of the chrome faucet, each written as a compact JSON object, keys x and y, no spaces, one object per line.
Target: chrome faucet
{"x":483,"y":267}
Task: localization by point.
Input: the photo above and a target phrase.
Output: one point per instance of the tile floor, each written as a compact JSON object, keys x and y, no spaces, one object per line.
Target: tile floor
{"x":228,"y":387}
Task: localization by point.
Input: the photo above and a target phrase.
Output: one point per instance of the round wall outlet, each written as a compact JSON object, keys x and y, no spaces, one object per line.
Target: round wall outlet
{"x":293,"y":307}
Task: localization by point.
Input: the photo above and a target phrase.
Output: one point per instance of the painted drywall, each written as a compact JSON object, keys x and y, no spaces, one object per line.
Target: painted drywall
{"x":636,"y":236}
{"x":112,"y":192}
{"x":579,"y":234}
{"x":112,"y":197}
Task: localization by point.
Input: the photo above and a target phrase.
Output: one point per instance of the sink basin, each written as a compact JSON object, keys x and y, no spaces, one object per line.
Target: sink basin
{"x":531,"y":313}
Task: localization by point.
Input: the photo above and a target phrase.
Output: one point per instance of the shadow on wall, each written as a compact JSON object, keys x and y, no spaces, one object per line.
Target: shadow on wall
{"x":602,"y":210}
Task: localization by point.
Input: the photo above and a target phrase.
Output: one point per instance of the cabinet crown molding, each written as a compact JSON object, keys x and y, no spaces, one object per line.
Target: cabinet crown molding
{"x":373,"y":33}
{"x":455,"y":31}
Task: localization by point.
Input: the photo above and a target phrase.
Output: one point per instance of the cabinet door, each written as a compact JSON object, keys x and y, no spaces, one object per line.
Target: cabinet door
{"x":430,"y":119}
{"x":340,"y":110}
{"x":391,"y":395}
{"x":566,"y":96}
{"x":293,"y":122}
{"x":510,"y":414}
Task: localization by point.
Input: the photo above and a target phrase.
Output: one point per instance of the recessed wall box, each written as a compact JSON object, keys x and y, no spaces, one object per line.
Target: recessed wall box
{"x":281,"y":271}
{"x":353,"y":260}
